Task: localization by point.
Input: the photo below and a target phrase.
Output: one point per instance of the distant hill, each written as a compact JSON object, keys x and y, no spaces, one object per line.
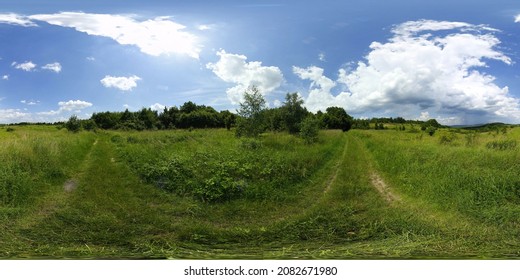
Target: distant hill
{"x":487,"y":126}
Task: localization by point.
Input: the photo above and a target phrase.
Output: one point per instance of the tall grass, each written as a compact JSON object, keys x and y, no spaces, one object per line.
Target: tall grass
{"x":481,"y":182}
{"x":32,"y":158}
{"x":213,"y":165}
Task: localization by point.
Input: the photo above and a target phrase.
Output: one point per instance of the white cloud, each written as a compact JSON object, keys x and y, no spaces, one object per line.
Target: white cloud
{"x":73,"y":105}
{"x":417,"y":70}
{"x":5,"y":77}
{"x":30,"y":102}
{"x":233,"y":68}
{"x":91,"y":58}
{"x":55,"y":67}
{"x":26,"y":66}
{"x":517,"y":18}
{"x":67,"y":106}
{"x":158,"y":36}
{"x":13,"y":116}
{"x":157,"y":107}
{"x":204,"y":27}
{"x":121,"y":83}
{"x":15,"y":19}
{"x":320,"y":96}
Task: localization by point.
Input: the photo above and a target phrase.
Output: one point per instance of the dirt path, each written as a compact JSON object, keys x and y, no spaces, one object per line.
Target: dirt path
{"x":337,"y":167}
{"x":383,"y":188}
{"x":55,"y":199}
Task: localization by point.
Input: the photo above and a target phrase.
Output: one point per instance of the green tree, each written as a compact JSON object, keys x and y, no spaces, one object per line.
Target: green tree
{"x":89,"y":125}
{"x":250,"y":121}
{"x":310,"y":128}
{"x":337,"y":118}
{"x":73,"y":124}
{"x":293,"y":112}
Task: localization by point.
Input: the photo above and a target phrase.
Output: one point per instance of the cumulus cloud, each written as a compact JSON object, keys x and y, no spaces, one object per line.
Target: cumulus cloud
{"x":416,"y":71}
{"x":234,"y":68}
{"x":13,"y":116}
{"x":157,"y":107}
{"x":320,"y":96}
{"x":67,"y":106}
{"x":158,"y":36}
{"x":121,"y":83}
{"x":517,"y":18}
{"x":26,"y":66}
{"x":55,"y":67}
{"x":73,"y":105}
{"x":5,"y":77}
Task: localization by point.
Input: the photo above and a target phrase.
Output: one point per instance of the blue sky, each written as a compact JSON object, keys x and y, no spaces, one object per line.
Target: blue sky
{"x":456,"y":61}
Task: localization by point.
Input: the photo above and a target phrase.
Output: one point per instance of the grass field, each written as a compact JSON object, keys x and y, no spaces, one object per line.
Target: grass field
{"x":363,"y":194}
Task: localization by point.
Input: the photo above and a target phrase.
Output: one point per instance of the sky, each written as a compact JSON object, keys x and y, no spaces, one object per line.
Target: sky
{"x":455,"y":61}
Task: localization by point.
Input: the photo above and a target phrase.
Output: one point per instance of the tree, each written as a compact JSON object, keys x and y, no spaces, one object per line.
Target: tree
{"x":250,"y":122}
{"x":293,"y":112}
{"x":337,"y":118}
{"x":310,"y":128}
{"x":188,"y":107}
{"x":73,"y":124}
{"x":148,"y":118}
{"x":227,"y":118}
{"x":106,"y":120}
{"x":89,"y":125}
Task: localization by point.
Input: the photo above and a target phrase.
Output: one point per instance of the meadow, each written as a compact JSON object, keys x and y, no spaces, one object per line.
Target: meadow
{"x":203,"y":193}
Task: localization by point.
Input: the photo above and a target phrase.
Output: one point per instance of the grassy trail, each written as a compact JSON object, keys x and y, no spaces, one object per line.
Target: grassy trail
{"x":351,"y":207}
{"x":102,"y":217}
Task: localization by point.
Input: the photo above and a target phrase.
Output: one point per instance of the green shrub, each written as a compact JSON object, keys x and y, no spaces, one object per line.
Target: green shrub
{"x":448,"y":139}
{"x":502,"y":145}
{"x":310,"y":128}
{"x":250,"y":144}
{"x":73,"y":124}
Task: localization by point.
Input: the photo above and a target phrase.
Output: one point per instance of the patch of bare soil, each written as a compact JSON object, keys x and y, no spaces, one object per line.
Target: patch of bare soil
{"x":383,"y":188}
{"x":70,"y":185}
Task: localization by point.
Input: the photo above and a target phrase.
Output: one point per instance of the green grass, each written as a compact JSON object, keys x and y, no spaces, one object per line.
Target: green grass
{"x":207,"y":194}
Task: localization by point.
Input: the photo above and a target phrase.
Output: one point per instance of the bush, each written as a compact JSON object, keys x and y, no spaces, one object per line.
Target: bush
{"x":73,"y":124}
{"x":431,"y":130}
{"x":250,"y":144}
{"x":502,"y":145}
{"x":89,"y":125}
{"x":448,"y":139}
{"x":310,"y":128}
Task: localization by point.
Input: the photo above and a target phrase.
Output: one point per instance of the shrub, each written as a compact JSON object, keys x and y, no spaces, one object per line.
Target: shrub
{"x":431,"y":130}
{"x":310,"y":128}
{"x":73,"y":124}
{"x":448,"y":139}
{"x":502,"y":145}
{"x":250,"y":144}
{"x":89,"y":125}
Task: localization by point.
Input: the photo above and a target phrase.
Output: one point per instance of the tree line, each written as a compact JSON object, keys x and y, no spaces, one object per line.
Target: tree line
{"x":252,"y":118}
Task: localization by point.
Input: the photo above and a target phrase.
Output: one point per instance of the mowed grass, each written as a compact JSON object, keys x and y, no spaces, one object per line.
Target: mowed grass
{"x":207,"y":194}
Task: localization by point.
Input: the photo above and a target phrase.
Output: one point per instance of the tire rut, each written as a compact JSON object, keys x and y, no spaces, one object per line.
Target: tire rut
{"x":383,"y":189}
